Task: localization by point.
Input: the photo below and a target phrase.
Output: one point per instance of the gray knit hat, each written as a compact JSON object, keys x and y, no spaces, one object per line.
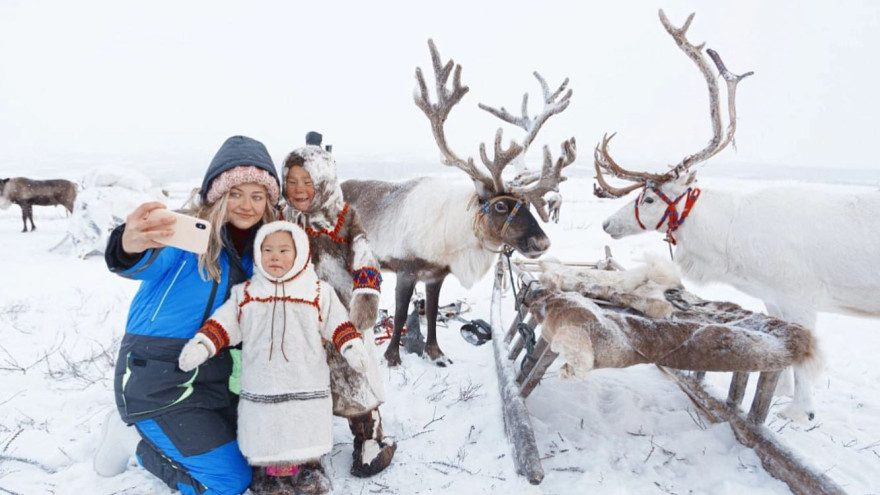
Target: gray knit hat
{"x":239,"y":151}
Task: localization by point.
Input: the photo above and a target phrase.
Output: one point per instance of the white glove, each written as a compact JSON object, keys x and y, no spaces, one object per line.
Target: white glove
{"x":355,"y":354}
{"x":195,"y":352}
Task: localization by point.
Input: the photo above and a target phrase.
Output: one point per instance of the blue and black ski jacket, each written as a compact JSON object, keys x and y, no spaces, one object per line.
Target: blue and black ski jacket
{"x":172,"y":303}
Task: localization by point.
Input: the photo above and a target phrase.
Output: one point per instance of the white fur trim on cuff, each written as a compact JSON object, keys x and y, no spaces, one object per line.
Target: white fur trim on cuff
{"x":366,"y":291}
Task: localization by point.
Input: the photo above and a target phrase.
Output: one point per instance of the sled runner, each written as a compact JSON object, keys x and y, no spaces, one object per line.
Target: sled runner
{"x":596,"y":315}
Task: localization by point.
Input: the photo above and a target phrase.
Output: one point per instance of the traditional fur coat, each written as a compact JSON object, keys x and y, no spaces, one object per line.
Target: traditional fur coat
{"x":285,"y":411}
{"x":342,"y":257}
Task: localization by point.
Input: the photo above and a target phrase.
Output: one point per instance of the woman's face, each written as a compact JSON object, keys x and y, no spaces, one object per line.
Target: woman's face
{"x":246,"y":205}
{"x":300,"y":190}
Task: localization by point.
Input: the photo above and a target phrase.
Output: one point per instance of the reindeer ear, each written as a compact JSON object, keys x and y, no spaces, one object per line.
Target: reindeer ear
{"x":691,"y":177}
{"x":484,"y":192}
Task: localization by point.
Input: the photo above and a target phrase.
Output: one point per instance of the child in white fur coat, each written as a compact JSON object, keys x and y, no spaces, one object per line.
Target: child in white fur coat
{"x":282,"y":317}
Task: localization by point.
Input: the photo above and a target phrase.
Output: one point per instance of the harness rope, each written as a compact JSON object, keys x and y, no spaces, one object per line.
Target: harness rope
{"x":484,"y":210}
{"x":526,"y":333}
{"x":670,"y":216}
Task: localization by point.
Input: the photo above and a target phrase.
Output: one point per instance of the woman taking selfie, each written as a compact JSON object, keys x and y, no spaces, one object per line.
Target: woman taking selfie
{"x":186,"y":420}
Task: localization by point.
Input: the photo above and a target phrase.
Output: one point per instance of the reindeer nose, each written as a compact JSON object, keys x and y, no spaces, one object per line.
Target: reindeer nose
{"x":605,"y":225}
{"x":539,"y":245}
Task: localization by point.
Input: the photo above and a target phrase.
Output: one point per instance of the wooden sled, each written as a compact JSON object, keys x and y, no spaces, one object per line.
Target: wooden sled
{"x":523,"y":355}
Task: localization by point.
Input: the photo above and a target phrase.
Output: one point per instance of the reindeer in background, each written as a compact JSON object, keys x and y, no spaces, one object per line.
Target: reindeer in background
{"x":426,"y":228}
{"x":29,"y":192}
{"x":800,"y":251}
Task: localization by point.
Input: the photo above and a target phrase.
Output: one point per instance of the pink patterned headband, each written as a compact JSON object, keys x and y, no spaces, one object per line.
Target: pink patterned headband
{"x":243,"y":175}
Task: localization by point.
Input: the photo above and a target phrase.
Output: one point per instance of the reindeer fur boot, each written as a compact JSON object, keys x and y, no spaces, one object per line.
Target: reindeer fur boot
{"x":311,"y":479}
{"x":283,"y":480}
{"x":265,"y":484}
{"x":371,"y":453}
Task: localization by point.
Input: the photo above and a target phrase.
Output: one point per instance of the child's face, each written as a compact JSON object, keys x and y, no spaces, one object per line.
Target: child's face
{"x":300,"y":190}
{"x":277,"y":253}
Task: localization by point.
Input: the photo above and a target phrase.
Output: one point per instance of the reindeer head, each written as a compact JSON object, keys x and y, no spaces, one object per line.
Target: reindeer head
{"x":665,"y":199}
{"x":503,"y":217}
{"x":4,"y":202}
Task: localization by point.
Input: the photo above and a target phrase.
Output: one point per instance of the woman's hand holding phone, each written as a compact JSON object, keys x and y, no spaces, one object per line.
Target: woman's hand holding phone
{"x":142,"y":229}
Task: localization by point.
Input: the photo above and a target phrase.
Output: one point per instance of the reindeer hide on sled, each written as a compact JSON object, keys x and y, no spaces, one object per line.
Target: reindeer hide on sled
{"x":649,"y":318}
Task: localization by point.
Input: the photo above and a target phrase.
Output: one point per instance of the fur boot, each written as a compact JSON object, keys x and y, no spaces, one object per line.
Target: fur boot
{"x":263,"y":484}
{"x":371,"y":453}
{"x":312,"y":479}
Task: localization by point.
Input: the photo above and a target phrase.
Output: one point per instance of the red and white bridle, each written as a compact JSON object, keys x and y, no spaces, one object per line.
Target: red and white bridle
{"x":670,"y":216}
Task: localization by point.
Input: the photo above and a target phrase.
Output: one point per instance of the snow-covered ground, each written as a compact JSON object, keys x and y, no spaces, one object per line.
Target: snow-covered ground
{"x":621,"y":431}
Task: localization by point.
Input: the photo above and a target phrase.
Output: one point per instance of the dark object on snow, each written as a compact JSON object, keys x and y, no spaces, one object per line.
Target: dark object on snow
{"x":476,"y":332}
{"x":414,"y":341}
{"x":28,"y":192}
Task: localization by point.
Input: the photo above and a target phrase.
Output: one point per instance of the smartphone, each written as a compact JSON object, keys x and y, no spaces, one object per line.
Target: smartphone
{"x":190,"y":233}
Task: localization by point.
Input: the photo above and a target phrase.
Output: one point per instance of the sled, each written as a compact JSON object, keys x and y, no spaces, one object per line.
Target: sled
{"x":523,"y":355}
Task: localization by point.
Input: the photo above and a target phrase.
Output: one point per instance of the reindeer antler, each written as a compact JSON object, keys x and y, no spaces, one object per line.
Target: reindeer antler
{"x":532,"y":126}
{"x":551,"y":176}
{"x":437,"y":113}
{"x":695,"y":53}
{"x":502,"y":159}
{"x":532,"y":185}
{"x":604,"y":162}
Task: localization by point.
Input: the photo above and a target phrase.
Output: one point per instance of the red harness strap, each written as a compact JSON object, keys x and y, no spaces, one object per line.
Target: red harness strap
{"x":670,"y":216}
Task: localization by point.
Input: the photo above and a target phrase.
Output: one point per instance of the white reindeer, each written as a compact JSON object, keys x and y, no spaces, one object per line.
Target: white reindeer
{"x":800,"y":251}
{"x":426,"y":228}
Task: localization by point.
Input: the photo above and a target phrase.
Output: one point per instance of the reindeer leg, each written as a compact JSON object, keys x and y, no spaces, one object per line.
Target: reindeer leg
{"x":26,"y":211}
{"x":30,"y":214}
{"x":432,"y":300}
{"x":406,"y":283}
{"x":801,"y":407}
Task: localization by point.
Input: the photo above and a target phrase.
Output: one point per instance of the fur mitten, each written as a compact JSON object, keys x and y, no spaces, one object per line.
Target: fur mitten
{"x":355,"y":354}
{"x":364,"y":310}
{"x":198,"y":350}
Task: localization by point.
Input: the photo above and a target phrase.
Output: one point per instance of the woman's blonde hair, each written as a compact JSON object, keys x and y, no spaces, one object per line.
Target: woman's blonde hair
{"x":215,"y":213}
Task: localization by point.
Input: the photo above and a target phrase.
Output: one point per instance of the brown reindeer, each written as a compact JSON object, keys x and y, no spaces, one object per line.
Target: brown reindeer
{"x":426,"y":228}
{"x":28,"y":192}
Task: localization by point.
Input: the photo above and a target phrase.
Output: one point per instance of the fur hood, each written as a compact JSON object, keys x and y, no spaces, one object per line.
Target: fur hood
{"x":328,"y":202}
{"x":302,"y":261}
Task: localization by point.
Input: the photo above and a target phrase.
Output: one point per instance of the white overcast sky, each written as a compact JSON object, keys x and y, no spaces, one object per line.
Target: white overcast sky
{"x":86,"y":82}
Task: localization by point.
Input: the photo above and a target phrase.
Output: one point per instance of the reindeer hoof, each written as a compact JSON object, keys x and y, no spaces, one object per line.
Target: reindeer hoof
{"x":797,"y":414}
{"x":392,"y":359}
{"x":442,"y":361}
{"x":436,"y":356}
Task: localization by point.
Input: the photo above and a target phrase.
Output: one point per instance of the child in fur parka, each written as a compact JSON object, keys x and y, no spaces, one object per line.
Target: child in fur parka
{"x":342,"y":257}
{"x":282,"y":317}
